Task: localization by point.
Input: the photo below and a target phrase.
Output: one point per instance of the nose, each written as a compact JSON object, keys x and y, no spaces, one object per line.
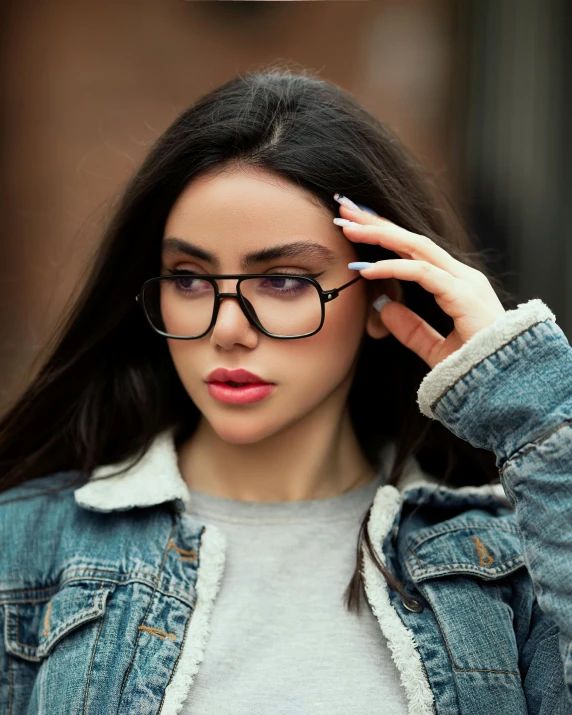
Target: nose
{"x":248,"y":304}
{"x":232,"y":325}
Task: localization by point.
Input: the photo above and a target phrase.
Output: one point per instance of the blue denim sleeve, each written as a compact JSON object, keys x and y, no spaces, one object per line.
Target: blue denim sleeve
{"x":509,"y":390}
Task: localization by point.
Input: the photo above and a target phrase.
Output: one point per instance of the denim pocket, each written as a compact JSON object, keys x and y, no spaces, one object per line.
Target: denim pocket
{"x":473,"y":547}
{"x":33,"y":627}
{"x":474,"y":579}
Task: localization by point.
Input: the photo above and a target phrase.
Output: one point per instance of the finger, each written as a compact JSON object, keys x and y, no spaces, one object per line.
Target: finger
{"x":413,"y":332}
{"x":378,"y":230}
{"x":435,"y":280}
{"x":354,"y":216}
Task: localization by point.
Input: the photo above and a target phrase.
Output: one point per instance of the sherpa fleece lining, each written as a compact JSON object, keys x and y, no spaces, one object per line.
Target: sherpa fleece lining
{"x":484,"y":343}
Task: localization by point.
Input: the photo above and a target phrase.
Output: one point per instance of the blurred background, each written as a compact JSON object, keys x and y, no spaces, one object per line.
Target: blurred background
{"x":479,"y":90}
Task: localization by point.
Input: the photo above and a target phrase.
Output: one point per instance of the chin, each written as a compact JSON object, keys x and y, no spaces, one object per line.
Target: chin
{"x":243,"y":431}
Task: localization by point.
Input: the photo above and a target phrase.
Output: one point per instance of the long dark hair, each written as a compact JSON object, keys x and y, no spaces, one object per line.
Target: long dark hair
{"x":105,"y":384}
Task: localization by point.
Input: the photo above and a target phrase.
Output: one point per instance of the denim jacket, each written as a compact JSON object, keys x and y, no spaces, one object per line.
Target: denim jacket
{"x":106,"y":590}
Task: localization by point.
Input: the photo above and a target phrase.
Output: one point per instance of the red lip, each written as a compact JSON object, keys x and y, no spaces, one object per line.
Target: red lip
{"x":222,"y":375}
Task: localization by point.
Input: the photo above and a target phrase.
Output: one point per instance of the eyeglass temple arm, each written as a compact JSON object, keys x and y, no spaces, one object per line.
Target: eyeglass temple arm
{"x":345,"y":285}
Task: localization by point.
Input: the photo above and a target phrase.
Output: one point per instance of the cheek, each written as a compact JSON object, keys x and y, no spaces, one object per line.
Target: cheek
{"x":328,"y":355}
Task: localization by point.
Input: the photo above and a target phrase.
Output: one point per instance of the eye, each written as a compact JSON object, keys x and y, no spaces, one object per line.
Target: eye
{"x":281,"y":284}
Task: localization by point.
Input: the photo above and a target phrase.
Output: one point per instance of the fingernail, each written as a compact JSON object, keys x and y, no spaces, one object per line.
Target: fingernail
{"x":366,"y":208}
{"x":344,"y":201}
{"x":359,"y":265}
{"x":378,"y":303}
{"x":345,"y":222}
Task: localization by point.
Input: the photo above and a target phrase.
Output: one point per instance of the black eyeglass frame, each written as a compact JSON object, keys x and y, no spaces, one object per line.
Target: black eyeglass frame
{"x":326,"y":296}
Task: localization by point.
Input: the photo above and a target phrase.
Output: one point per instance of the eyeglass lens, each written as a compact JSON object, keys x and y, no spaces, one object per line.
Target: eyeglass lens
{"x":182,"y":306}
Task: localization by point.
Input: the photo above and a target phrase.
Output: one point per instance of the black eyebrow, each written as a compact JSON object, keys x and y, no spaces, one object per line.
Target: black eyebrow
{"x":298,"y":249}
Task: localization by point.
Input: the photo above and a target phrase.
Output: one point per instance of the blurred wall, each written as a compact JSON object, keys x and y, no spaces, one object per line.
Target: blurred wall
{"x":88,"y":87}
{"x":516,"y":150}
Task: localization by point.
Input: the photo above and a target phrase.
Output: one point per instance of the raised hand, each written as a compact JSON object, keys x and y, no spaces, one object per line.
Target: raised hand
{"x":463,"y":292}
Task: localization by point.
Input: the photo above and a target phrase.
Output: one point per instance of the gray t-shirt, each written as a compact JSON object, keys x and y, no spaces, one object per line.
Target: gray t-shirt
{"x":280,"y":639}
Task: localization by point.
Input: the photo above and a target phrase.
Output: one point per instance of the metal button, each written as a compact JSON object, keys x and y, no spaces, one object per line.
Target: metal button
{"x":412,"y":605}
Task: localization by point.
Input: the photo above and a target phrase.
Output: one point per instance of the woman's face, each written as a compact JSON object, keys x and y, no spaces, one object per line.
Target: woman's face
{"x":237,"y":213}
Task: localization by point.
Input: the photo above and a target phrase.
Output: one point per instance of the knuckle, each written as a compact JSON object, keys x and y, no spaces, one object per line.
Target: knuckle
{"x":480,"y":278}
{"x":416,"y":245}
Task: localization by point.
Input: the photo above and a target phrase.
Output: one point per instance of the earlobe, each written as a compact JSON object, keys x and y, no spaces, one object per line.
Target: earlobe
{"x":374,"y":324}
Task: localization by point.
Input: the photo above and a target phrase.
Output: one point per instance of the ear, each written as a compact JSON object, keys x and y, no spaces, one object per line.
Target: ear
{"x":393,"y":289}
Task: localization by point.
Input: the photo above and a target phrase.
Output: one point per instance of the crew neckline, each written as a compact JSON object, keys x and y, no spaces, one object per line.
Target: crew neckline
{"x":349,"y":504}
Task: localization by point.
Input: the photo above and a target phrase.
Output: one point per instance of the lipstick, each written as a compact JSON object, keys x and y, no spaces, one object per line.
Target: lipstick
{"x":238,"y":387}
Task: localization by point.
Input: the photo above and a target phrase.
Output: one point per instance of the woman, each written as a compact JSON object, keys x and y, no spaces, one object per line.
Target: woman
{"x":160,"y":512}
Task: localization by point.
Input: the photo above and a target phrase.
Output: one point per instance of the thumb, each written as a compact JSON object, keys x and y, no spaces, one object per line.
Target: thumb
{"x":412,"y":331}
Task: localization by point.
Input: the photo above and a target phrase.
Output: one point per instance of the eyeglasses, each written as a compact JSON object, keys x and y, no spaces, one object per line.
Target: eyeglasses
{"x":185,"y":305}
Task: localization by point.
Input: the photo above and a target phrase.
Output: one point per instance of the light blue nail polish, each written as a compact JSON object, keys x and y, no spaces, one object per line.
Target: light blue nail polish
{"x":366,"y":208}
{"x":378,"y":303}
{"x":344,"y":201}
{"x":359,"y":265}
{"x":345,"y":222}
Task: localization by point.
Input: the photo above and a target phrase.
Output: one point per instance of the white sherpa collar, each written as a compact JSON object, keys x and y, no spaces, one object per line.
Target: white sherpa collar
{"x":155,"y":479}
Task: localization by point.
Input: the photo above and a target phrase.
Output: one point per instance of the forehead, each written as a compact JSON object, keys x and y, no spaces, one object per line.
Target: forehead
{"x":246,"y":209}
{"x":236,"y":193}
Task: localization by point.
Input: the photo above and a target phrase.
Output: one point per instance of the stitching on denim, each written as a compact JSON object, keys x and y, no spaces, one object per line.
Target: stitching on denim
{"x":30,"y":650}
{"x":18,"y":630}
{"x":471,"y":567}
{"x":485,"y":559}
{"x":93,"y":653}
{"x":10,"y":684}
{"x":134,"y":651}
{"x":163,"y":588}
{"x":424,"y":592}
{"x":486,"y":358}
{"x":486,"y":670}
{"x":185,"y":554}
{"x":508,"y":528}
{"x":16,"y":591}
{"x":538,"y":442}
{"x":74,"y":578}
{"x":455,"y":666}
{"x":157,"y":632}
{"x":81,"y":574}
{"x":191,"y":611}
{"x":84,"y":616}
